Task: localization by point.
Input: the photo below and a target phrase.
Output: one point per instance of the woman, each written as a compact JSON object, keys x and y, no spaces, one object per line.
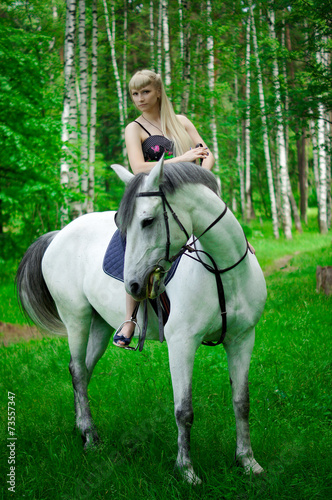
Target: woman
{"x":157,"y":131}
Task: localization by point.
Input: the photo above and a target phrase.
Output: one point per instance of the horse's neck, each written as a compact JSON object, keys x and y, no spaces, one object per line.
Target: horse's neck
{"x":225,"y":240}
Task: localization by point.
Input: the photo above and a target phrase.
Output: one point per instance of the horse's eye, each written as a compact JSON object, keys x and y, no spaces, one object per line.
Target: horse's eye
{"x":147,"y":222}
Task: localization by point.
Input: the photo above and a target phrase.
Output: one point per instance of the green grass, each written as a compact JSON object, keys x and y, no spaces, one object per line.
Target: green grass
{"x":131,"y":401}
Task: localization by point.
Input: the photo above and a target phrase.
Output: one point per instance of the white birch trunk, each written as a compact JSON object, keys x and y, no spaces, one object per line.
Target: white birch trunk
{"x":328,"y":170}
{"x":181,"y":35}
{"x":151,"y":22}
{"x":321,"y":58}
{"x":167,"y":55}
{"x":83,"y":65}
{"x":111,"y":40}
{"x":160,"y":38}
{"x":186,"y":63}
{"x":93,"y":108}
{"x":69,"y":56}
{"x":74,"y":181}
{"x":315,"y":160}
{"x":124,"y":66}
{"x":322,"y":170}
{"x":269,"y":174}
{"x":283,"y":170}
{"x":210,"y":71}
{"x":239,"y":155}
{"x":248,"y":206}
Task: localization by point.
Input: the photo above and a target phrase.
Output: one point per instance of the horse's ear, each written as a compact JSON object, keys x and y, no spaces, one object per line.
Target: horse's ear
{"x":123,"y":173}
{"x":155,"y":177}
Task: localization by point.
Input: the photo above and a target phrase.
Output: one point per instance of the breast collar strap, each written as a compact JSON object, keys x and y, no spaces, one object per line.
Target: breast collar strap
{"x":213,"y":268}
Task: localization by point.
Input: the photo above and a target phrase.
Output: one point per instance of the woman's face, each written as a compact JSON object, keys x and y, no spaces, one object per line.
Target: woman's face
{"x":146,"y":99}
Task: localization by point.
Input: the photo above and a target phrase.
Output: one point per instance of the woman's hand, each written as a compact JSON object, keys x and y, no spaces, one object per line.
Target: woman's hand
{"x":194,"y":154}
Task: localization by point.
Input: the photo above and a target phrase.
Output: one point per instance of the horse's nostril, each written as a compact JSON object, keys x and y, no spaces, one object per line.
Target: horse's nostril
{"x":134,"y":287}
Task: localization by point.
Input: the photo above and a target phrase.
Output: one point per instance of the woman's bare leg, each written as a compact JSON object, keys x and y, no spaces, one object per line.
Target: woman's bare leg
{"x":128,"y":328}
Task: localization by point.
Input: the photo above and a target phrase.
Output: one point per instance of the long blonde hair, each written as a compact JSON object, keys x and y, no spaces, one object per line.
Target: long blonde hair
{"x":171,"y":126}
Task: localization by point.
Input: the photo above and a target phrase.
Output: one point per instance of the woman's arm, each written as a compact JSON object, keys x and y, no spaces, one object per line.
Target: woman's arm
{"x":133,"y":140}
{"x":208,"y":160}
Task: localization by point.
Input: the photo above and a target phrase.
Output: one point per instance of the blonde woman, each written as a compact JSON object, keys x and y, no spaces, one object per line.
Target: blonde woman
{"x":157,"y":131}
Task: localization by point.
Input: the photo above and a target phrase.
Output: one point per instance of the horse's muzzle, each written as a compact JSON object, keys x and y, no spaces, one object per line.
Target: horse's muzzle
{"x":150,"y":288}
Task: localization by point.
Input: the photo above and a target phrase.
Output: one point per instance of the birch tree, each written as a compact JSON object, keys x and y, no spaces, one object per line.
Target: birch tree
{"x":185,"y":54}
{"x":160,"y":38}
{"x":111,"y":40}
{"x":273,"y":202}
{"x":83,"y":66}
{"x":68,"y":171}
{"x":151,"y":24}
{"x":124,"y":65}
{"x":167,"y":55}
{"x":69,"y":58}
{"x":283,"y":170}
{"x":211,"y":77}
{"x":248,"y":206}
{"x":322,"y":158}
{"x":93,"y":107}
{"x":239,"y":150}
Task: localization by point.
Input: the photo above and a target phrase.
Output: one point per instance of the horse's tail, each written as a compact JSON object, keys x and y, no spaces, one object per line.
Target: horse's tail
{"x":32,"y":292}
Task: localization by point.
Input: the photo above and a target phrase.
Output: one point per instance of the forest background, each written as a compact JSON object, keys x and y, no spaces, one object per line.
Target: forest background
{"x":255,"y":78}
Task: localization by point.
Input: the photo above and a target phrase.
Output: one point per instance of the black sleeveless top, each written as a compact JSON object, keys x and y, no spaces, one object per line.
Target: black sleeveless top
{"x":155,"y":146}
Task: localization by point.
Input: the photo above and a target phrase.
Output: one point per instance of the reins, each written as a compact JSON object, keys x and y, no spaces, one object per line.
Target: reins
{"x":213,"y":268}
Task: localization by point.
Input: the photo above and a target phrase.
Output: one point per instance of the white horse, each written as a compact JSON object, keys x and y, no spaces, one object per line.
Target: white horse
{"x":63,"y":288}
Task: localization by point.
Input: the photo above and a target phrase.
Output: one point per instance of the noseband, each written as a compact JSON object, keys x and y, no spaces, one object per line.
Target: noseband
{"x":213,"y":268}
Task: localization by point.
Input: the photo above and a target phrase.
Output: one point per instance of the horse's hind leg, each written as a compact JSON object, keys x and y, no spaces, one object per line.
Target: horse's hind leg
{"x":239,"y":355}
{"x":78,"y":334}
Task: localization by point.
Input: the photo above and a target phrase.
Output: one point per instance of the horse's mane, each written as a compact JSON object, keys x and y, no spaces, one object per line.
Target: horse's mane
{"x":175,"y":176}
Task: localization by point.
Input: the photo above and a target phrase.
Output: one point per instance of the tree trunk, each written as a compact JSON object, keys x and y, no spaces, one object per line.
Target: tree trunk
{"x":303,"y":178}
{"x":239,"y":154}
{"x":83,"y":65}
{"x":93,"y":107}
{"x":315,"y":160}
{"x":151,"y":23}
{"x":300,"y":145}
{"x":111,"y":40}
{"x":283,"y":170}
{"x":186,"y":61}
{"x":181,"y":35}
{"x":210,"y":71}
{"x":322,"y":170}
{"x":167,"y":55}
{"x":124,"y":66}
{"x":69,"y":56}
{"x":248,"y":206}
{"x":273,"y":202}
{"x":160,"y":38}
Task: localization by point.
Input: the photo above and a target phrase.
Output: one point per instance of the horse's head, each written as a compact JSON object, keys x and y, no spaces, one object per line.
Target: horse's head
{"x":153,"y":235}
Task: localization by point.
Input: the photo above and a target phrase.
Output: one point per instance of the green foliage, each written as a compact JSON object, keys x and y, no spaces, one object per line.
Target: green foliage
{"x":29,"y":137}
{"x":31,"y":93}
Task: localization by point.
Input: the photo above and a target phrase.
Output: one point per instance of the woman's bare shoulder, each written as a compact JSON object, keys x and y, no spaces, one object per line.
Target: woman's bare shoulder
{"x":132,"y":126}
{"x":184,"y":121}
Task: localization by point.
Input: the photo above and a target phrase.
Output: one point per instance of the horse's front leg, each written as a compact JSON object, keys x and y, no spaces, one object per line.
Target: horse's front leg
{"x":181,"y":358}
{"x":238,"y":356}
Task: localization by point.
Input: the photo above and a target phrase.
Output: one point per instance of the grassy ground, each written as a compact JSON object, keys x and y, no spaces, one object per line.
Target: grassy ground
{"x":131,"y":400}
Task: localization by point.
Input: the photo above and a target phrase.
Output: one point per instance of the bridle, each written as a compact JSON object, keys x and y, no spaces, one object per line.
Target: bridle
{"x":213,"y":268}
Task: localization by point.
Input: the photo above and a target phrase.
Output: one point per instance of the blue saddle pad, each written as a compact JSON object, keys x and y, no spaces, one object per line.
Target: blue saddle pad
{"x":113,"y":263}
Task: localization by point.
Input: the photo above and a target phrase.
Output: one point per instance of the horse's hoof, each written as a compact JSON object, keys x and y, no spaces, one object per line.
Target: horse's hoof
{"x":187,"y":475}
{"x":90,"y":440}
{"x":250,"y":466}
